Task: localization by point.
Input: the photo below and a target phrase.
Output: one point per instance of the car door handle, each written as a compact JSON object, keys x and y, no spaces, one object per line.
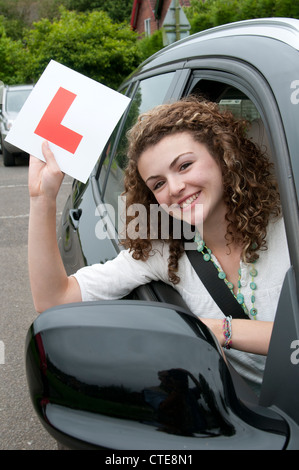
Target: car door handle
{"x":75,"y":215}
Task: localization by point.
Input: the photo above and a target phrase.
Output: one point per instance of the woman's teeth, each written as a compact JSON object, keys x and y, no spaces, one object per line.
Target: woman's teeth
{"x":189,"y":201}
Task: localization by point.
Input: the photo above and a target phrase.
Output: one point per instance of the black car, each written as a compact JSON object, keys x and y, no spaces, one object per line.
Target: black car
{"x":94,"y":368}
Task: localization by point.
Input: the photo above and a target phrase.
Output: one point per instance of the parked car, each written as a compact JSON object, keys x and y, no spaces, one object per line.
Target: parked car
{"x":11,"y":102}
{"x":93,"y":368}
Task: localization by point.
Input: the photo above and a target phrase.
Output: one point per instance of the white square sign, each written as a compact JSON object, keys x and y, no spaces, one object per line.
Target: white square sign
{"x":74,"y":113}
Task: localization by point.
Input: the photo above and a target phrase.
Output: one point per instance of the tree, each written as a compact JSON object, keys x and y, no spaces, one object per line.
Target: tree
{"x":118,"y":10}
{"x":287,"y":8}
{"x":150,"y":44}
{"x":217,"y":12}
{"x":11,"y":53}
{"x":89,"y":43}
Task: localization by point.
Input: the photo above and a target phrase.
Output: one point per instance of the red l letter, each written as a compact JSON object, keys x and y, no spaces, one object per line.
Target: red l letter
{"x":50,"y":127}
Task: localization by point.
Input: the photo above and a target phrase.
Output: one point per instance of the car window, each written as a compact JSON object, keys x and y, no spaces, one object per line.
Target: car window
{"x":15,"y":100}
{"x":232,"y":99}
{"x":150,"y":92}
{"x":240,"y":108}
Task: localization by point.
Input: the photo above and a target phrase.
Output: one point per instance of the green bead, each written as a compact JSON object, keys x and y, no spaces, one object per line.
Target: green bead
{"x":253,"y":272}
{"x":240,"y":298}
{"x":253,"y":312}
{"x":200,"y":245}
{"x":252,"y":299}
{"x":206,"y":257}
{"x":253,"y":285}
{"x":221,"y":275}
{"x":230,"y":285}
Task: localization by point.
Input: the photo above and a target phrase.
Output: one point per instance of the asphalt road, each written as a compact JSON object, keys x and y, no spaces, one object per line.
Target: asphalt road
{"x":20,"y":428}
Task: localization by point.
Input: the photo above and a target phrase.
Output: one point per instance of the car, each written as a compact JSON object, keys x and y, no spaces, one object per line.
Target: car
{"x":12,"y":99}
{"x":94,"y":368}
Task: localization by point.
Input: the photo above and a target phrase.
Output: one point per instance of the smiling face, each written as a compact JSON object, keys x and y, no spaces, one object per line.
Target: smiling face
{"x":181,"y":173}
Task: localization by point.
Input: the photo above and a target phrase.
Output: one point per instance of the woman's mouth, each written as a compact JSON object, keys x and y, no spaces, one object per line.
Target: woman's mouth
{"x":187,"y":202}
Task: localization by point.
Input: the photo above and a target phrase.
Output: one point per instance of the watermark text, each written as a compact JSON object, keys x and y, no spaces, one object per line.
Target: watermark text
{"x":158,"y":221}
{"x":295,"y":353}
{"x":295,"y":93}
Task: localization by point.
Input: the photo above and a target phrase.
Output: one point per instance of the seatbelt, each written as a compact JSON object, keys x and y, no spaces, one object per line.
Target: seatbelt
{"x":217,"y":288}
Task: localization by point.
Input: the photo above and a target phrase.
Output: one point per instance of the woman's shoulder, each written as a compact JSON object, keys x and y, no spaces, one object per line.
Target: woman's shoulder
{"x":277,"y":252}
{"x":276,"y":232}
{"x":158,"y":253}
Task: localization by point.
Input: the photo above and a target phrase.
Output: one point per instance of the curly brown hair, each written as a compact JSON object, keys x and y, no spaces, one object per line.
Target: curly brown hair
{"x":250,"y":189}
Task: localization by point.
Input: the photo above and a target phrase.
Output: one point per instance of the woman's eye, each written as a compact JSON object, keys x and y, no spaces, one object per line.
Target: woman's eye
{"x":185,"y":165}
{"x":158,"y":185}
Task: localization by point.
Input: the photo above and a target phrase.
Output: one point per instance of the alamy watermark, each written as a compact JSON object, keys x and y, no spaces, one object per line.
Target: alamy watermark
{"x":295,"y":93}
{"x":295,"y":353}
{"x":159,"y":221}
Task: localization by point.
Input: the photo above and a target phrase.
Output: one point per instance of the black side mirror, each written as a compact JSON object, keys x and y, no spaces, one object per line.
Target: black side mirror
{"x":138,"y":375}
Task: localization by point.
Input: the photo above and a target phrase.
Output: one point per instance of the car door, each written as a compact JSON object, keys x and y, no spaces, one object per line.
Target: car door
{"x":267,"y":104}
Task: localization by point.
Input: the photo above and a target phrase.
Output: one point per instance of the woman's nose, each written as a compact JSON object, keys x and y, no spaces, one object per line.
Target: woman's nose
{"x":176,"y":185}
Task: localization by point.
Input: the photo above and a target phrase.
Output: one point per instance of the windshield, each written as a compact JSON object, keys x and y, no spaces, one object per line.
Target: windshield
{"x":15,"y":100}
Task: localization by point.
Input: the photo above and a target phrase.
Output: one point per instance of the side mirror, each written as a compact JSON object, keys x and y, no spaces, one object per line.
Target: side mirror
{"x":138,"y":375}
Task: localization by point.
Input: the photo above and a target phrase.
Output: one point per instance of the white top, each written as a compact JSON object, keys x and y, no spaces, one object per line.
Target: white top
{"x":118,"y":277}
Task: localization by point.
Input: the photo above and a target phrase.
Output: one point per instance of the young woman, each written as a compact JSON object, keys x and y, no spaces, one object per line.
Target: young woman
{"x":185,"y":155}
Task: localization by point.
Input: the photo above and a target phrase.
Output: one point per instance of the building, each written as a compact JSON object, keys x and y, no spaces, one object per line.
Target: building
{"x":149,"y":15}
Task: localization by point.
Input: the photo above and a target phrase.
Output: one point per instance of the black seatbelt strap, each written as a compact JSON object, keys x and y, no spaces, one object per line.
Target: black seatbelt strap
{"x":217,"y":288}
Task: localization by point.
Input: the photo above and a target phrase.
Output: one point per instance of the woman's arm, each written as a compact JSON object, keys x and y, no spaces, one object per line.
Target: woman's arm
{"x":249,"y":336}
{"x":50,"y":284}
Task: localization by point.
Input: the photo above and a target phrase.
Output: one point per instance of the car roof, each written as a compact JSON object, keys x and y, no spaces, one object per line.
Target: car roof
{"x":18,"y":87}
{"x":284,"y":30}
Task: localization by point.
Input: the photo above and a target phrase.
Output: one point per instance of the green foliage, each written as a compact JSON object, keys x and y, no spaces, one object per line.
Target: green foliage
{"x":12,"y":60}
{"x":94,"y":36}
{"x":118,"y":10}
{"x":89,"y":43}
{"x":150,"y":44}
{"x":217,"y":12}
{"x":198,"y":15}
{"x":288,"y":8}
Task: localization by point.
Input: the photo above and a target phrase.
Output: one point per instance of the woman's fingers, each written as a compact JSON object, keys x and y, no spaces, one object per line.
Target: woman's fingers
{"x":48,"y":154}
{"x":46,"y":177}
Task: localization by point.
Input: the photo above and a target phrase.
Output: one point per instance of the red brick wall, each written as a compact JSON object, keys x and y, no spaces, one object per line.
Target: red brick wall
{"x":147,"y":10}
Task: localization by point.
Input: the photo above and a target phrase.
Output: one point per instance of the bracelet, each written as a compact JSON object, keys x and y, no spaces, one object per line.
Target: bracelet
{"x":227,"y":332}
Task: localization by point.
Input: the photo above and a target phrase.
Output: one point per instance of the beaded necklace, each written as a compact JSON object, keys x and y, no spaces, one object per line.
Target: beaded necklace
{"x":207,"y":256}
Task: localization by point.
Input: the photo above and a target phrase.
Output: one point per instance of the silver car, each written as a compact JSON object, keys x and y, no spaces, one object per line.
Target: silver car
{"x":94,"y":368}
{"x":12,"y":99}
